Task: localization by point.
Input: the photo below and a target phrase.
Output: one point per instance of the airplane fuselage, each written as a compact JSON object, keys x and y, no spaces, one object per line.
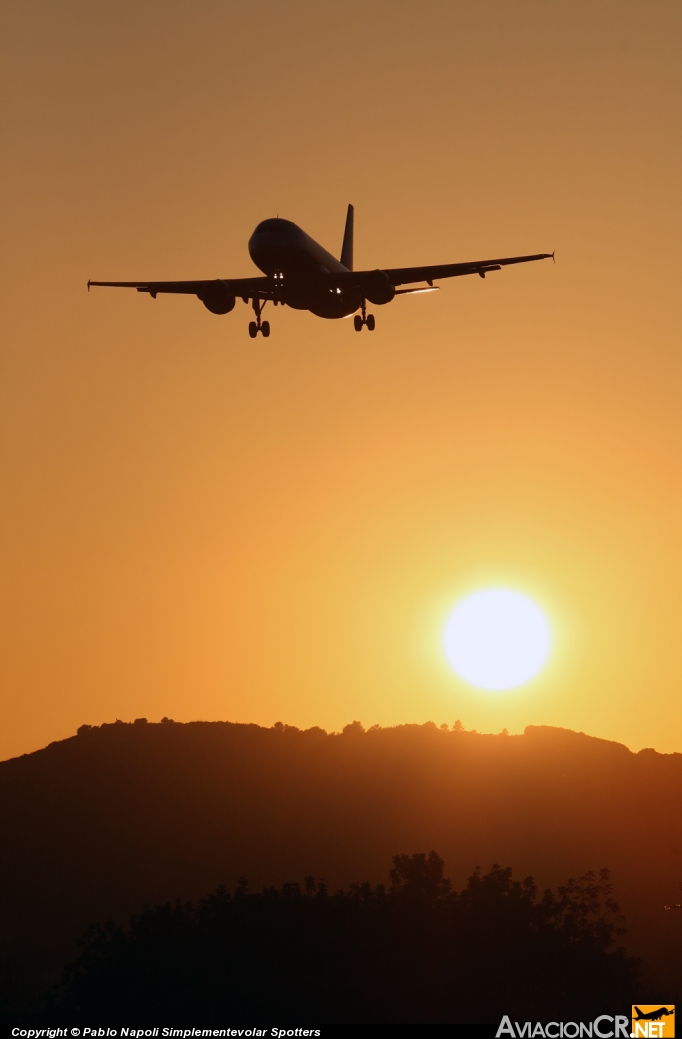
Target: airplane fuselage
{"x":302,"y":270}
{"x":298,"y":272}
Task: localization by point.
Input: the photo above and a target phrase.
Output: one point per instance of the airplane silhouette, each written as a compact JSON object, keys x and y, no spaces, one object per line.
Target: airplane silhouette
{"x":301,"y":274}
{"x":653,"y":1015}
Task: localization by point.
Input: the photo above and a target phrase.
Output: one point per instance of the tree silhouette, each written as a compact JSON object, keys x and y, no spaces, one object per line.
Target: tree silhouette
{"x":419,"y":879}
{"x":415,"y":952}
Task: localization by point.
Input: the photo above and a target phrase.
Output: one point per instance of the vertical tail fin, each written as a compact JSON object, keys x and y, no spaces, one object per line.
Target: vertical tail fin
{"x":347,"y":247}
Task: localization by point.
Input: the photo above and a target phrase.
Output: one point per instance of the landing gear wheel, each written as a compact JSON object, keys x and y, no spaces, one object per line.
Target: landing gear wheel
{"x":253,"y":329}
{"x":265,"y":329}
{"x":357,"y":321}
{"x":370,"y":322}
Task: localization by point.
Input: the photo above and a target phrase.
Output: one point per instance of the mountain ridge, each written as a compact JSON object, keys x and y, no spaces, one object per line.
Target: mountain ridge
{"x":125,"y":814}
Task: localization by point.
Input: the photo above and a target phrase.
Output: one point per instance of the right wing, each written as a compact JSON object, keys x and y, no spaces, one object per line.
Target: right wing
{"x":247,"y":288}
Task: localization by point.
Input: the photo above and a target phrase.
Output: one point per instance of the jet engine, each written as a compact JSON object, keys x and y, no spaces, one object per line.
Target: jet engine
{"x":378,"y":288}
{"x":217,"y":297}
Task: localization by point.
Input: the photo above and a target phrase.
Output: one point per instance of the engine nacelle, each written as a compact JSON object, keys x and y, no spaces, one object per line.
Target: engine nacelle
{"x":217,"y":297}
{"x":378,"y":288}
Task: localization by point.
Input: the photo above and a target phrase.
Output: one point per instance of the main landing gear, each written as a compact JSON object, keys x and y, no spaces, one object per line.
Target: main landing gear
{"x":259,"y":326}
{"x":366,"y":319}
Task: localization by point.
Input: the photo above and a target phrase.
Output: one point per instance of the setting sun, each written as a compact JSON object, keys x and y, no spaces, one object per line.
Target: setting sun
{"x":497,"y":639}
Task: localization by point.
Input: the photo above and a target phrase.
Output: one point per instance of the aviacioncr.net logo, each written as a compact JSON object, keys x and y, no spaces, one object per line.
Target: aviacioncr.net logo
{"x":603,"y":1027}
{"x":653,"y":1021}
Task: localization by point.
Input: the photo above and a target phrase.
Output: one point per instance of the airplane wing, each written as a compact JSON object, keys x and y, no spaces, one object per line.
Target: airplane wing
{"x":408,"y":275}
{"x":246,"y":288}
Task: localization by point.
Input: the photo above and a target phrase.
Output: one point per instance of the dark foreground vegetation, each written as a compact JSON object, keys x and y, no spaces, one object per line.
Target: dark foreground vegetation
{"x":415,"y":952}
{"x":121,"y":816}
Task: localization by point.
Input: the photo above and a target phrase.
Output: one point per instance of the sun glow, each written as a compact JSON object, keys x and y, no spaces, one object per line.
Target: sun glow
{"x":497,"y":639}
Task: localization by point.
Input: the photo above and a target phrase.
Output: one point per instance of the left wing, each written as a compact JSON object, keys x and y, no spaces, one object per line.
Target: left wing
{"x":406,"y":275}
{"x":409,"y":275}
{"x":247,"y":288}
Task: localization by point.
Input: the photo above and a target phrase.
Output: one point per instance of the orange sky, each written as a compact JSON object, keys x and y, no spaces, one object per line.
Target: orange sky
{"x":199,"y":525}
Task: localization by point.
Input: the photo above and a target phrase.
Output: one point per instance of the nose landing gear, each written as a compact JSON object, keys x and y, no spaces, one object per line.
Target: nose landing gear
{"x":366,"y":319}
{"x":259,"y":326}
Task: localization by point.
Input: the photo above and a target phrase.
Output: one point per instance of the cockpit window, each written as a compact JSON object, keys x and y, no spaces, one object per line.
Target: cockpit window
{"x":271,"y":225}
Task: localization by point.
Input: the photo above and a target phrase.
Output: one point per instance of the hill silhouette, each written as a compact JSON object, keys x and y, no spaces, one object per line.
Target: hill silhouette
{"x":97,"y":826}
